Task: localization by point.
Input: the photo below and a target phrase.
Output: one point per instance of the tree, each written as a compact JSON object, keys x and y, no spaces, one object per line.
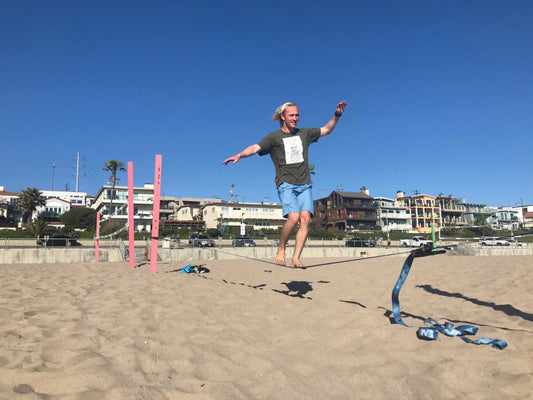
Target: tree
{"x":113,"y":166}
{"x":30,"y":199}
{"x":79,"y":218}
{"x":39,"y":227}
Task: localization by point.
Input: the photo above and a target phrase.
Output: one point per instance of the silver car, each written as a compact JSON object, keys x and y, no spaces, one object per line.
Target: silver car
{"x":201,"y":240}
{"x":243,"y":242}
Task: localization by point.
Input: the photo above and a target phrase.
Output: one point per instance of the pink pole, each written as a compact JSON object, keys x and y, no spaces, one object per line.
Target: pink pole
{"x":155,"y":217}
{"x":131,"y":234}
{"x":97,"y":239}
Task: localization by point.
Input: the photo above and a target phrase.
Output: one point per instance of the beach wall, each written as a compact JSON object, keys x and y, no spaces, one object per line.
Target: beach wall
{"x":113,"y":254}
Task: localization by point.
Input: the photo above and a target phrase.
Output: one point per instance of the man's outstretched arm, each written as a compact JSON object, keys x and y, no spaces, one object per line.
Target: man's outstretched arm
{"x":247,"y":152}
{"x":328,"y":128}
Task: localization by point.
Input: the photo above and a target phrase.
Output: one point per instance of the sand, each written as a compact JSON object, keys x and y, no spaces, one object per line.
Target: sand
{"x":252,"y":330}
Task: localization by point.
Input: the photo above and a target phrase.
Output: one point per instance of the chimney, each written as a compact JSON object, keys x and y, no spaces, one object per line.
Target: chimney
{"x":400,"y":194}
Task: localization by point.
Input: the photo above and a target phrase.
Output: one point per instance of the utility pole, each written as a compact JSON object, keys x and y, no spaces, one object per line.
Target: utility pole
{"x":53,"y":175}
{"x":78,"y":171}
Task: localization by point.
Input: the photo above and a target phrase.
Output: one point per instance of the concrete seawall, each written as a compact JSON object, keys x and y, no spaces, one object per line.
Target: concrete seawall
{"x":113,"y":253}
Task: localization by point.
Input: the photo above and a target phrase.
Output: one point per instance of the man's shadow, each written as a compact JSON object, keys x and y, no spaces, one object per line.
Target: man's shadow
{"x":296,"y":289}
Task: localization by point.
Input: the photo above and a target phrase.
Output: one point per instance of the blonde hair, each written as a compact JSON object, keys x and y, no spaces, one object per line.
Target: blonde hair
{"x":280,"y":110}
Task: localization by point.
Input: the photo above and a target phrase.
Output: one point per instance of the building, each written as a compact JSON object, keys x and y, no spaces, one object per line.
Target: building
{"x":527,"y":222}
{"x":452,"y":210}
{"x":254,"y":216}
{"x":424,"y":211}
{"x":392,"y":215}
{"x":188,"y":216}
{"x":10,"y":214}
{"x":522,"y":211}
{"x":112,"y":203}
{"x":196,"y":201}
{"x":184,"y":212}
{"x":74,"y":198}
{"x":52,"y":210}
{"x":504,"y":218}
{"x":346,"y":211}
{"x":477,"y":214}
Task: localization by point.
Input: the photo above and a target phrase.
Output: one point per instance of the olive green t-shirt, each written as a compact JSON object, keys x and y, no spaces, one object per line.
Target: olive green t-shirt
{"x":289,"y":153}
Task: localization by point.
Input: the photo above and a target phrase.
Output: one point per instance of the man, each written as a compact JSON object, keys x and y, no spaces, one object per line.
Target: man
{"x":288,"y":149}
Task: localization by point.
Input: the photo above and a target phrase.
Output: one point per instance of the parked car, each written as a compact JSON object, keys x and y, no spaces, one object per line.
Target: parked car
{"x":493,"y":241}
{"x":415,"y":241}
{"x":201,"y":240}
{"x":243,"y":242}
{"x":360,"y":242}
{"x":514,"y":242}
{"x":58,"y":240}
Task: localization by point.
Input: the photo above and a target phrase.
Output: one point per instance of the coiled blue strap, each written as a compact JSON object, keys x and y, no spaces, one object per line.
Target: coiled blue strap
{"x":396,"y":290}
{"x":432,"y":332}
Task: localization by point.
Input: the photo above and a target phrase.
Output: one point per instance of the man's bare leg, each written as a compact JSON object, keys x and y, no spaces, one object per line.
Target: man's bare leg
{"x":301,"y":237}
{"x":286,"y":232}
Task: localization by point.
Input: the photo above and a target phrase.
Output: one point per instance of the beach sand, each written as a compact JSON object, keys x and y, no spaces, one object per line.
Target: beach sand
{"x":252,"y":330}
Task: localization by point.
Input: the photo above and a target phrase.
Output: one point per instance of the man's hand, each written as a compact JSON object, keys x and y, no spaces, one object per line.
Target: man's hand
{"x":328,"y":128}
{"x":247,"y":152}
{"x":340,"y":107}
{"x":233,"y":159}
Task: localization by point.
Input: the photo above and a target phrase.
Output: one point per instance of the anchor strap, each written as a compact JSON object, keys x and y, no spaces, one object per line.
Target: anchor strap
{"x":432,"y":332}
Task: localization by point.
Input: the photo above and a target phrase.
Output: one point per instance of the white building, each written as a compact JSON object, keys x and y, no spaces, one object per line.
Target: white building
{"x":53,"y":209}
{"x":392,"y":215}
{"x":253,"y":215}
{"x":504,"y":218}
{"x":10,"y":214}
{"x":74,"y":198}
{"x":113,"y":204}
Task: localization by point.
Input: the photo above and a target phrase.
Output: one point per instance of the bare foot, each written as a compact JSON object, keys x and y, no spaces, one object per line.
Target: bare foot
{"x":280,"y":257}
{"x":297,"y":264}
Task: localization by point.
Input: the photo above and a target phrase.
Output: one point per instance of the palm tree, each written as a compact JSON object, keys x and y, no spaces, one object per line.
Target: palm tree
{"x":39,"y":227}
{"x":113,"y":166}
{"x":30,"y":199}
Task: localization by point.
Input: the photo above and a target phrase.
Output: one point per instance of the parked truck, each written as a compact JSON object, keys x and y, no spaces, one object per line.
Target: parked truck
{"x":415,"y":241}
{"x":493,"y":241}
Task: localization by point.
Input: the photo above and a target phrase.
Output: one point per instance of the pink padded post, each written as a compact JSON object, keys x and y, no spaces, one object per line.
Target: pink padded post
{"x":131,"y":234}
{"x":155,"y":217}
{"x":97,"y":238}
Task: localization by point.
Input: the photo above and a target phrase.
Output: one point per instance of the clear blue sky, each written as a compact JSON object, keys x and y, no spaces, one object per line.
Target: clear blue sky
{"x":440,"y":94}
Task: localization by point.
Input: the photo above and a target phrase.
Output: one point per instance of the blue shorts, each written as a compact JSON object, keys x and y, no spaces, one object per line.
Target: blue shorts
{"x":295,"y":198}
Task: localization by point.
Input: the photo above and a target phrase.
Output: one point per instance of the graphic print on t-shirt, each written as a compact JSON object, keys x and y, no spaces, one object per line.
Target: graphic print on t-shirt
{"x":294,"y":151}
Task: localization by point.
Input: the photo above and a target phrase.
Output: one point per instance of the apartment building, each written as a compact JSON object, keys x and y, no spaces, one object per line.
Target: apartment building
{"x":452,"y":210}
{"x":392,"y":215}
{"x":477,"y":214}
{"x":184,"y":212}
{"x":504,"y":218}
{"x":346,"y":211}
{"x":424,"y":211}
{"x":253,"y":216}
{"x":112,"y":203}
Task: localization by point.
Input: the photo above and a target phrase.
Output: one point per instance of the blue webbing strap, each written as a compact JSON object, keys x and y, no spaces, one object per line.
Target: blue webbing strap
{"x":396,"y":291}
{"x":432,"y":333}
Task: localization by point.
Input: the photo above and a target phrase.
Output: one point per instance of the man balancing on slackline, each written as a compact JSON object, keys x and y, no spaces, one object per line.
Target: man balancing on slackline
{"x":288,"y":148}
